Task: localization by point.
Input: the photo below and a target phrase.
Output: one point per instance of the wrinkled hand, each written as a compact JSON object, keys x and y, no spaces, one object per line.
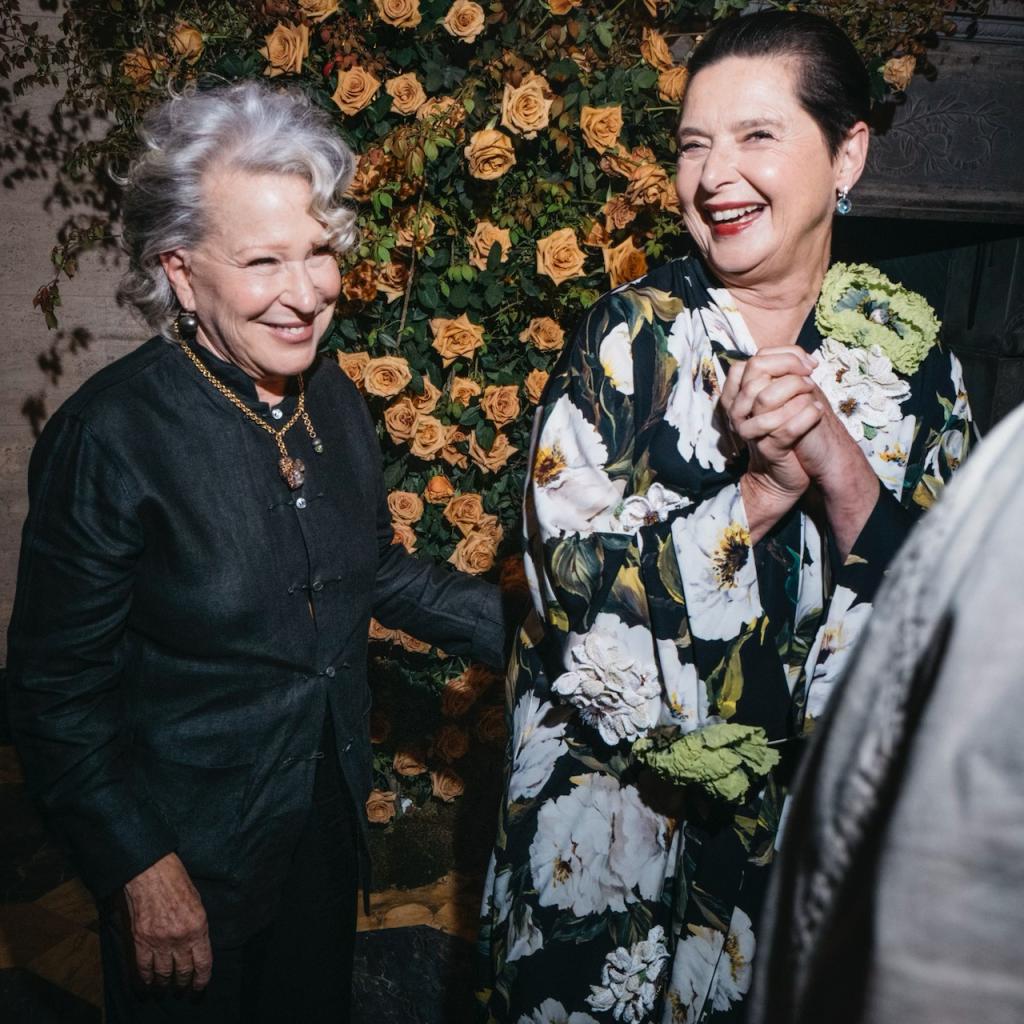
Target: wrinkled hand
{"x":168,"y":926}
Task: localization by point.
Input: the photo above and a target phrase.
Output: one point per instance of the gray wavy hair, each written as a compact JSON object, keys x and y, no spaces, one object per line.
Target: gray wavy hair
{"x":249,"y":127}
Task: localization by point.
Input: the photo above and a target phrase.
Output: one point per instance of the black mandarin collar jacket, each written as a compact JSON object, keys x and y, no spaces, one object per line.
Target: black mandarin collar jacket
{"x":183,"y":622}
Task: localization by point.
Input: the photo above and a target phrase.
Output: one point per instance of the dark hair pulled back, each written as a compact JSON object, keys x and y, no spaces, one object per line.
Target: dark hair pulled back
{"x":832,"y":83}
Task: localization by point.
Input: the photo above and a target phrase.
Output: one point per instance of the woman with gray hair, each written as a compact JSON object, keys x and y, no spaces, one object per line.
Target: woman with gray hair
{"x":207,"y":539}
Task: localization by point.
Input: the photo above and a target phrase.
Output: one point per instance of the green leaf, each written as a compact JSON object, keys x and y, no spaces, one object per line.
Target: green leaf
{"x":575,"y":566}
{"x":485,"y":435}
{"x":603,"y":31}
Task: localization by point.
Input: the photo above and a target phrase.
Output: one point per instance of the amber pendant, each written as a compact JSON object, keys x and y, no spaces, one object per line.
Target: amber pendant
{"x":293,"y":471}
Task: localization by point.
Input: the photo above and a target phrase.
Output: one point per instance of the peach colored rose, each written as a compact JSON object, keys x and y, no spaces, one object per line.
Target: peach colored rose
{"x":400,"y":13}
{"x":898,"y":71}
{"x":427,"y":402}
{"x":380,"y":727}
{"x":525,"y":109}
{"x":624,"y":262}
{"x":404,"y":534}
{"x":438,"y":490}
{"x":544,"y":333}
{"x":445,"y":109}
{"x":534,"y":384}
{"x":405,"y":507}
{"x":428,"y":437}
{"x":648,"y":185}
{"x":380,"y":806}
{"x":601,"y":126}
{"x":490,"y":154}
{"x":559,"y":256}
{"x":186,"y":42}
{"x":490,"y":725}
{"x":379,"y":632}
{"x":480,"y":679}
{"x":597,"y":235}
{"x":392,"y":278}
{"x":318,"y":10}
{"x":654,"y":49}
{"x":356,"y":89}
{"x":400,"y":419}
{"x":563,"y":6}
{"x":287,"y":47}
{"x":491,"y":460}
{"x":464,"y":512}
{"x":484,"y":236}
{"x":456,"y":338}
{"x":490,"y":528}
{"x":464,"y":390}
{"x":140,"y":66}
{"x":406,"y":93}
{"x":409,"y":763}
{"x":353,"y":364}
{"x":513,"y":574}
{"x":414,"y":229}
{"x":360,"y":283}
{"x":672,"y":84}
{"x":411,"y":644}
{"x":386,"y":376}
{"x":618,"y":213}
{"x":464,"y":20}
{"x":450,"y":453}
{"x":624,"y":162}
{"x":500,"y":404}
{"x":456,"y":700}
{"x":451,"y":743}
{"x":371,"y":170}
{"x":446,"y":785}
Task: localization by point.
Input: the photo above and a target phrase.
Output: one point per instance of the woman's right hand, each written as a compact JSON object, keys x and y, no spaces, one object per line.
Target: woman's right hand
{"x":168,"y":926}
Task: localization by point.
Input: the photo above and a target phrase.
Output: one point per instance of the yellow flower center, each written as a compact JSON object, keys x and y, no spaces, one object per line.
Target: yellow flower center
{"x":895,"y":454}
{"x":731,"y":555}
{"x":562,"y":872}
{"x":548,"y":466}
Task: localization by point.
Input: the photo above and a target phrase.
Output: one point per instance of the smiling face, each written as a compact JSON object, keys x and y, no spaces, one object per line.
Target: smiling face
{"x":263,"y":282}
{"x":755,"y":178}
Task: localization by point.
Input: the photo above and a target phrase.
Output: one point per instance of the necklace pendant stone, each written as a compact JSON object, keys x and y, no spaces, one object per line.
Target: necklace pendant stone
{"x":293,"y":471}
{"x":318,"y":446}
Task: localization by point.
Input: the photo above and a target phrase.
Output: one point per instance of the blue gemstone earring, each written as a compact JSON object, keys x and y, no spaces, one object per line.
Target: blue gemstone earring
{"x":843,"y":204}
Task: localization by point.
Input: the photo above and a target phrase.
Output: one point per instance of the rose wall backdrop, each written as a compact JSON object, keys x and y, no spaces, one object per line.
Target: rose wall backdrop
{"x":515,"y":161}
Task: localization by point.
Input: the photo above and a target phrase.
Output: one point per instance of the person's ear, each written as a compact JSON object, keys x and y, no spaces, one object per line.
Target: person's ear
{"x":179,"y":274}
{"x":852,"y":156}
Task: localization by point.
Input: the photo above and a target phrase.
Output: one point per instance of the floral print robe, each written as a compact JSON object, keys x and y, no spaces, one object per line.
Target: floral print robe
{"x":613,"y":895}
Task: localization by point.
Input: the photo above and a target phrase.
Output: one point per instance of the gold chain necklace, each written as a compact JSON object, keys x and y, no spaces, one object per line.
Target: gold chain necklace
{"x":292,"y":470}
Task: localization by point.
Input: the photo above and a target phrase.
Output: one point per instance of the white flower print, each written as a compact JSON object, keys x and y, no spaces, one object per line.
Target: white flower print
{"x":572,"y":492}
{"x":553,"y":1012}
{"x":655,"y":506}
{"x":686,"y":697}
{"x":961,"y":406}
{"x":538,"y":741}
{"x":524,"y":937}
{"x":612,"y":679}
{"x":735,"y":969}
{"x":598,"y":848}
{"x":616,"y":356}
{"x":629,"y":979}
{"x":832,"y":647}
{"x":716,"y":563}
{"x":889,"y":451}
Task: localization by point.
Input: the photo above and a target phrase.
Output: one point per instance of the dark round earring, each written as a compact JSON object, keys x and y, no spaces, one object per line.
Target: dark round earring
{"x":186,"y":323}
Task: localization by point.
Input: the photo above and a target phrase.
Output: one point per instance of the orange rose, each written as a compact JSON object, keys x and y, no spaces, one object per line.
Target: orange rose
{"x":480,"y":679}
{"x":380,"y":806}
{"x":371,"y":168}
{"x":484,"y":237}
{"x":490,"y":461}
{"x":464,"y":20}
{"x":445,"y":109}
{"x":544,"y":334}
{"x":428,"y":437}
{"x":415,"y":229}
{"x":563,"y":6}
{"x":455,"y":338}
{"x":450,"y":453}
{"x":353,"y":364}
{"x":474,"y":554}
{"x":386,"y":376}
{"x":411,"y":644}
{"x":360,"y":283}
{"x":406,"y":93}
{"x":404,"y":534}
{"x":625,"y":262}
{"x":405,"y":507}
{"x":648,"y":185}
{"x":597,"y":235}
{"x":490,"y":154}
{"x":464,"y":512}
{"x":618,"y":213}
{"x":400,"y":420}
{"x":500,"y":404}
{"x":427,"y":402}
{"x":140,"y":66}
{"x":601,"y":126}
{"x":446,"y":785}
{"x":464,"y":390}
{"x":379,"y":632}
{"x":672,"y":84}
{"x":490,"y":725}
{"x":525,"y":108}
{"x":534,"y":383}
{"x":408,"y":763}
{"x":898,"y":71}
{"x":451,"y":743}
{"x":287,"y":47}
{"x":624,"y":162}
{"x":318,"y":10}
{"x":438,"y":490}
{"x":391,"y":279}
{"x":456,"y":698}
{"x":513,"y":575}
{"x":400,"y":13}
{"x":654,"y":49}
{"x":559,"y":256}
{"x":356,"y":88}
{"x":186,"y":42}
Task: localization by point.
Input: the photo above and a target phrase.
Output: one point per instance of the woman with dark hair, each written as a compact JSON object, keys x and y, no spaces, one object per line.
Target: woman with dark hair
{"x":725,"y":461}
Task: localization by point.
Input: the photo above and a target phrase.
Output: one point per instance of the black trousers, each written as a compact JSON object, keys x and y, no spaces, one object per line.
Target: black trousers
{"x":299,"y":968}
